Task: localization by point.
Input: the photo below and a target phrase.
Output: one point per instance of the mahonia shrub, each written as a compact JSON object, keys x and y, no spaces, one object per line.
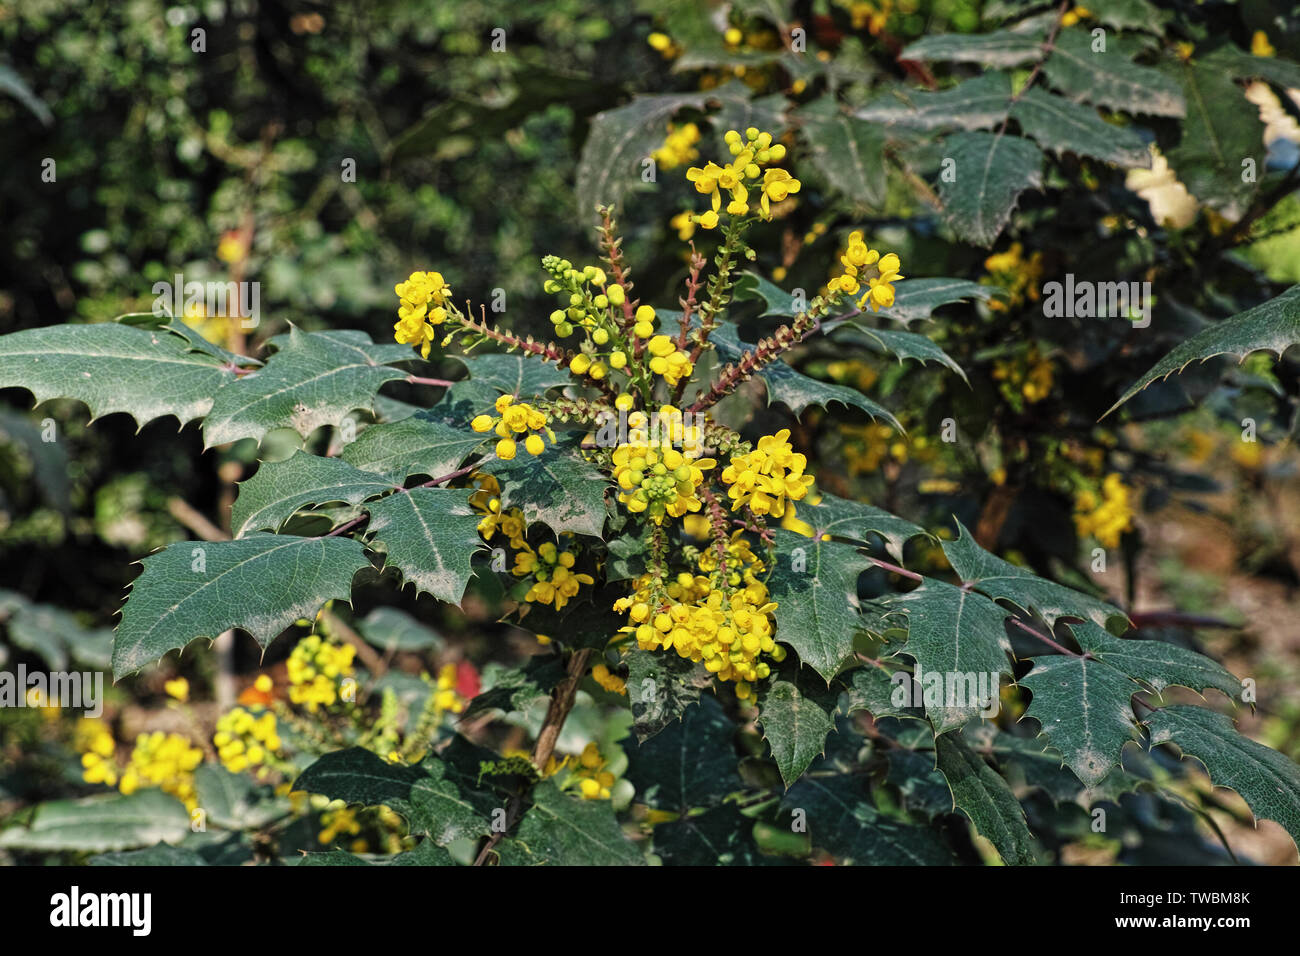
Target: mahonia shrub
{"x":803,"y":676}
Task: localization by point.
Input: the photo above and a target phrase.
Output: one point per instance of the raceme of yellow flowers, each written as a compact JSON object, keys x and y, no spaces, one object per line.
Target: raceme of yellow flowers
{"x":513,"y":420}
{"x":857,"y":258}
{"x":166,"y":761}
{"x":751,"y":154}
{"x":679,"y":146}
{"x":316,"y":669}
{"x":423,"y":307}
{"x":1105,"y":517}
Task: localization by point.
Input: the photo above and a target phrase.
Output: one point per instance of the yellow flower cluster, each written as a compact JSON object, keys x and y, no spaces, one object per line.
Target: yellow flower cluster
{"x":341,"y":820}
{"x":95,"y":743}
{"x":165,"y":761}
{"x":1028,"y":376}
{"x":658,"y":479}
{"x":767,"y":477}
{"x":515,"y":420}
{"x":607,"y":679}
{"x":552,"y":569}
{"x":424,"y":297}
{"x":872,"y":16}
{"x":445,"y":697}
{"x":1018,"y":275}
{"x":668,"y":360}
{"x":1105,"y":518}
{"x":594,"y":780}
{"x":678,"y":147}
{"x":487,"y":499}
{"x":752,"y":152}
{"x":857,"y":259}
{"x":316,"y":668}
{"x":664,"y":44}
{"x":245,"y":738}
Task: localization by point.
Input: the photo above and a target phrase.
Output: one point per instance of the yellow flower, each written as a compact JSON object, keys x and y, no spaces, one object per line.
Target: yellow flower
{"x":777,"y":185}
{"x":658,"y":479}
{"x":317,"y":668}
{"x":684,"y":223}
{"x":749,"y":153}
{"x":178,"y":688}
{"x":554,"y":580}
{"x":678,"y":147}
{"x":1259,"y":45}
{"x":594,"y":781}
{"x":1105,"y":519}
{"x":611,"y":682}
{"x":165,"y":761}
{"x":511,"y":420}
{"x":769,"y":476}
{"x":424,"y":296}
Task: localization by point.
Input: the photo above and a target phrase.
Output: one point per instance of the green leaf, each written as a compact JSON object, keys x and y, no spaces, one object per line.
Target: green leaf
{"x":661,"y":687}
{"x":1243,"y":66}
{"x":981,"y":793}
{"x":692,"y":763}
{"x":751,"y":285}
{"x":518,"y":375}
{"x":158,"y":855}
{"x":722,"y":836}
{"x":871,"y":688}
{"x":317,"y":379}
{"x":430,"y":536}
{"x":843,"y":822}
{"x":559,"y":830}
{"x":1000,"y":48}
{"x":618,"y":143}
{"x":101,"y":823}
{"x":232,"y":800}
{"x":1127,"y":14}
{"x":739,"y":110}
{"x":395,"y":630}
{"x":104,"y":366}
{"x":515,"y":689}
{"x":905,"y":345}
{"x":1221,"y":131}
{"x":1158,"y":664}
{"x":999,"y":579}
{"x":1084,"y":707}
{"x":1110,"y":79}
{"x":557,"y":489}
{"x":418,"y":445}
{"x":990,"y":171}
{"x":279,"y":489}
{"x":1266,"y":779}
{"x":192,"y":590}
{"x":848,"y":151}
{"x":427,"y":853}
{"x":954,"y":635}
{"x":436,"y":799}
{"x":1064,"y":126}
{"x":815,"y":586}
{"x":14,"y":85}
{"x":924,"y":789}
{"x":855,"y":521}
{"x":1273,"y":325}
{"x":795,"y":723}
{"x":978,"y":103}
{"x":918,"y":298}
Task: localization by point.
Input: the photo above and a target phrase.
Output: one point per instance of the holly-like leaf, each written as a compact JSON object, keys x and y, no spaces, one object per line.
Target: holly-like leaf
{"x":956,"y":637}
{"x":103,"y":365}
{"x":1220,"y":132}
{"x":1273,"y":326}
{"x":978,"y":103}
{"x":1084,"y":707}
{"x":872,"y":688}
{"x":279,"y":489}
{"x":815,"y":586}
{"x":982,"y":794}
{"x":102,"y":822}
{"x":1266,"y":779}
{"x":918,"y":298}
{"x":418,"y":445}
{"x":843,"y":822}
{"x":1110,"y":79}
{"x":795,"y":722}
{"x":430,"y":536}
{"x":751,"y":285}
{"x":722,"y":836}
{"x":557,"y":489}
{"x":1062,"y":126}
{"x":427,"y":853}
{"x":316,"y":379}
{"x":661,"y":687}
{"x":692,"y":763}
{"x":159,"y":855}
{"x":559,"y":830}
{"x":522,"y":376}
{"x":1000,"y":48}
{"x":999,"y":579}
{"x":849,"y":152}
{"x":200,"y":589}
{"x":989,"y":172}
{"x":619,"y":142}
{"x":1158,"y":664}
{"x":904,"y":345}
{"x":855,"y":521}
{"x":436,"y":799}
{"x":1127,"y":14}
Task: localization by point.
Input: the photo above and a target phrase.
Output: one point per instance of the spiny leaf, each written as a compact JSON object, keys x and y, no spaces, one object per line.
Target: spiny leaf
{"x":430,"y":535}
{"x":427,"y":853}
{"x":951,"y":634}
{"x":980,"y":792}
{"x":978,"y":103}
{"x":856,"y":521}
{"x":559,"y":830}
{"x":521,"y":376}
{"x":999,"y":579}
{"x":436,"y":799}
{"x":418,"y":445}
{"x":1062,"y":126}
{"x":1111,"y":78}
{"x":692,"y":763}
{"x":661,"y":688}
{"x":1222,"y":130}
{"x":918,"y":298}
{"x":515,"y":689}
{"x":103,"y":365}
{"x":281,"y":488}
{"x":871,"y":688}
{"x":991,"y":170}
{"x":1266,"y":779}
{"x":815,"y":586}
{"x":1127,"y":14}
{"x":192,"y":590}
{"x":557,"y":489}
{"x":1158,"y":664}
{"x":1274,"y":325}
{"x":904,"y":345}
{"x":795,"y":722}
{"x":848,"y":151}
{"x":722,"y":836}
{"x":1000,"y":48}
